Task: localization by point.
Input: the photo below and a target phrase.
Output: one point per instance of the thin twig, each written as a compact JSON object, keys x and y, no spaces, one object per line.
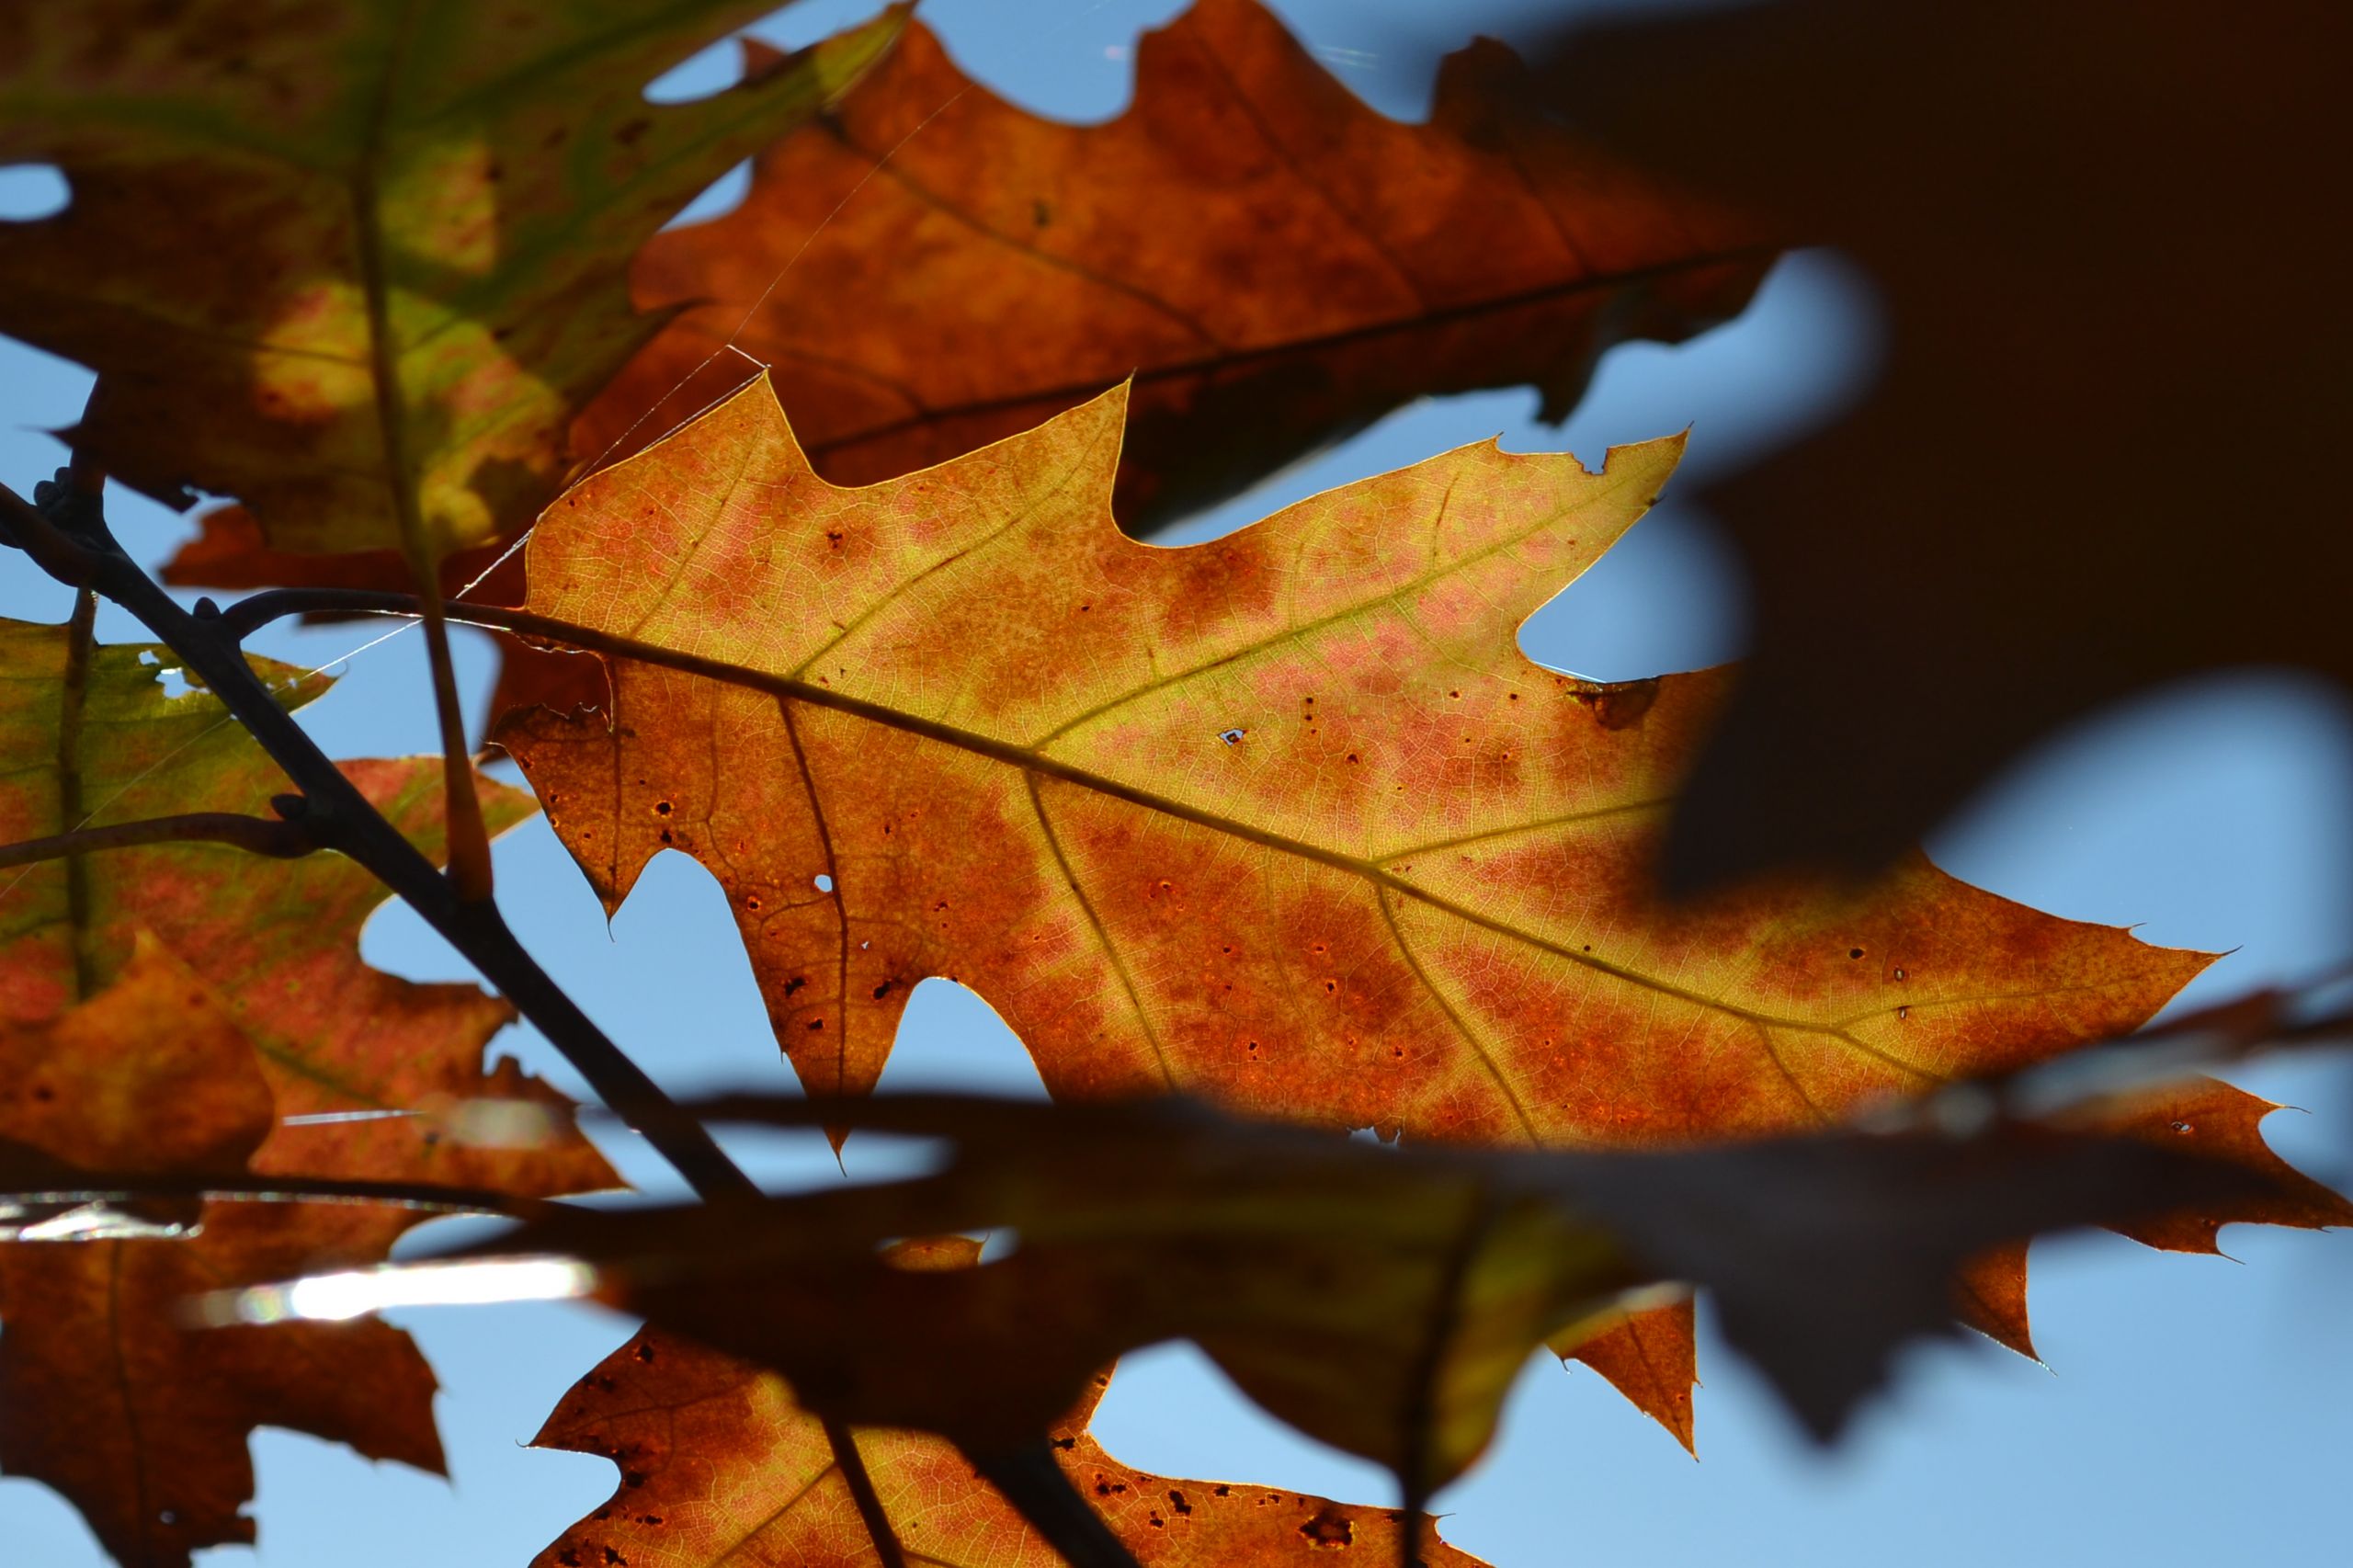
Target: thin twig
{"x":256,"y":835}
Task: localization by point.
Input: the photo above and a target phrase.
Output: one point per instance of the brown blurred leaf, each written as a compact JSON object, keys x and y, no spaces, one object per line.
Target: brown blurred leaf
{"x":2109,"y":240}
{"x":1380,"y":1300}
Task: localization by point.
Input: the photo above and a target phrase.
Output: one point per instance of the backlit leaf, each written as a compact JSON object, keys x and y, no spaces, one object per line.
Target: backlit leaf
{"x":1285,"y":819}
{"x":291,"y":1017}
{"x":359,"y":262}
{"x":1276,"y":264}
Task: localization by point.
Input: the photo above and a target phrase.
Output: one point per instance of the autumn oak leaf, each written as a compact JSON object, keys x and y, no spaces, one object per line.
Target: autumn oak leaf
{"x":338,"y":1070}
{"x":960,"y":269}
{"x":1285,"y":819}
{"x":359,"y":262}
{"x":720,"y":1464}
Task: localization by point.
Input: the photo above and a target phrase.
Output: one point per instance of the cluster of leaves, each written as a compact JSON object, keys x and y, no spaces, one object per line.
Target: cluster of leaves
{"x":1283,"y":824}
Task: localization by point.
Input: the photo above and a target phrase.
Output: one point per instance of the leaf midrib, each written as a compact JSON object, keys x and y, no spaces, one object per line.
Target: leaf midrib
{"x":1029,"y":761}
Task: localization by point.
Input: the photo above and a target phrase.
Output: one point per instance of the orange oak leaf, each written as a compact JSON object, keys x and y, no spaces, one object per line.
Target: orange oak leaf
{"x":273,"y":946}
{"x":1276,"y":264}
{"x":2084,"y":281}
{"x":1652,"y":1358}
{"x":720,"y":1464}
{"x":359,"y":262}
{"x":105,"y":1393}
{"x":1285,"y":819}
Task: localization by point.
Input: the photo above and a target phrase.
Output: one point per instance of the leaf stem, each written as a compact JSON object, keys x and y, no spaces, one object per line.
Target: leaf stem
{"x":72,"y":694}
{"x":258,"y":835}
{"x":469,"y":838}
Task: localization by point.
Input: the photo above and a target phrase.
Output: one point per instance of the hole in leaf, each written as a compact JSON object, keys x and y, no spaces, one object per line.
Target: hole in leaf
{"x":824,"y":882}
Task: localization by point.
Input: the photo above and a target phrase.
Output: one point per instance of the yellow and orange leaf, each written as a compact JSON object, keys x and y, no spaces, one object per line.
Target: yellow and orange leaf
{"x":1285,"y":820}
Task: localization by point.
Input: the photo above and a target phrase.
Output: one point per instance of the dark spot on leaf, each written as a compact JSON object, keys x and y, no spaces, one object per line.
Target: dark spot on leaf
{"x":795,"y":984}
{"x":1177,"y":1501}
{"x":645,"y":1351}
{"x":1329,"y":1528}
{"x":1226,"y":1491}
{"x":1065,"y":1444}
{"x":661,"y":808}
{"x":1853,"y":953}
{"x":1621,"y":704}
{"x":633,"y":1479}
{"x":884,"y":989}
{"x":815,"y":1024}
{"x":630,"y":134}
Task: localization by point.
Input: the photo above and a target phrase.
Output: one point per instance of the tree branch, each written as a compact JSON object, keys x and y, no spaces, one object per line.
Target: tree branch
{"x":257,"y":836}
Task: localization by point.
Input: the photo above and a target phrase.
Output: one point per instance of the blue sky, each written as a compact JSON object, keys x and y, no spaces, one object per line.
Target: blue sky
{"x":2194,"y":1409}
